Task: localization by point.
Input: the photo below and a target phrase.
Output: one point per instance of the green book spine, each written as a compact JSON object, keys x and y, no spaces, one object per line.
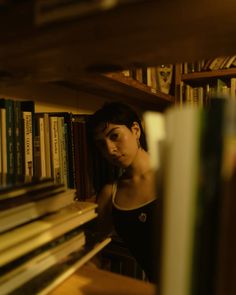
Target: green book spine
{"x":18,"y":137}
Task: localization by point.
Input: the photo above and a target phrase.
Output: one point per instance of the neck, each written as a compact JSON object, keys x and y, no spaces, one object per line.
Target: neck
{"x":140,"y":166}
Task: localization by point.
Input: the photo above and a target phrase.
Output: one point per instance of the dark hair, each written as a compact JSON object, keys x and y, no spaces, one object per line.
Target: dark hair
{"x":117,"y":113}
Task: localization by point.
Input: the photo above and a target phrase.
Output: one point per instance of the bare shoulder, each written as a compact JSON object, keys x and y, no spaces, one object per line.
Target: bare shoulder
{"x":105,"y":196}
{"x":106,"y":191}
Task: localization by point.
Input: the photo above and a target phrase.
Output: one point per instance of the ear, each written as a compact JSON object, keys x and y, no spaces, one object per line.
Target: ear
{"x":135,"y":128}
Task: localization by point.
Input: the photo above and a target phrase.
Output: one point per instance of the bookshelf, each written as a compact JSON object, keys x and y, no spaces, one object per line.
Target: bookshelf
{"x":199,"y":85}
{"x":120,"y":39}
{"x":209,"y":75}
{"x":66,"y":58}
{"x":80,"y":44}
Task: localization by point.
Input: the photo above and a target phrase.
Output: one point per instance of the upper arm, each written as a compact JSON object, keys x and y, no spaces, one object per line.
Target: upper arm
{"x":104,"y":201}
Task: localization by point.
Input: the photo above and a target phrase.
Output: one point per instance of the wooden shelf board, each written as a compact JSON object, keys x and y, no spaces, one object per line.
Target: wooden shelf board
{"x":142,"y":33}
{"x":114,"y":86}
{"x":119,"y":78}
{"x":208,"y":75}
{"x":91,"y":280}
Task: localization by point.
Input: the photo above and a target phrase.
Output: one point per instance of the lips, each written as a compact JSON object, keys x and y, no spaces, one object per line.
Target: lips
{"x":117,"y":158}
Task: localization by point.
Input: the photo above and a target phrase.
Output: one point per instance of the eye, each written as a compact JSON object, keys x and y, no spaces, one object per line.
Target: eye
{"x":114,"y":136}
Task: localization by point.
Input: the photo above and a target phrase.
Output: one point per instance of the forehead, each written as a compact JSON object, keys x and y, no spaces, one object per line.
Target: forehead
{"x":105,"y":129}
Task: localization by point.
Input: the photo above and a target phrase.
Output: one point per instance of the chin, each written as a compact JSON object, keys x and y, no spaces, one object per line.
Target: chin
{"x":120,"y":164}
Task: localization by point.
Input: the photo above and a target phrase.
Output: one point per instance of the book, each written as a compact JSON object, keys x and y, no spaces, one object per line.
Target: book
{"x":3,"y":140}
{"x":216,"y":63}
{"x":55,"y":275}
{"x":39,"y":263}
{"x":8,"y":140}
{"x":193,"y":197}
{"x":233,"y":88}
{"x":78,"y":261}
{"x":154,"y":125}
{"x":22,"y":240}
{"x":208,"y":196}
{"x":0,"y":144}
{"x":229,"y":62}
{"x":18,"y":137}
{"x":207,"y":64}
{"x":12,"y":186}
{"x":47,"y":145}
{"x":55,"y":158}
{"x":69,"y":145}
{"x":83,"y":163}
{"x":31,"y":195}
{"x":221,"y":88}
{"x":27,"y":108}
{"x":48,"y":202}
{"x":39,"y":148}
{"x":226,"y":244}
{"x":179,"y":201}
{"x":42,"y":157}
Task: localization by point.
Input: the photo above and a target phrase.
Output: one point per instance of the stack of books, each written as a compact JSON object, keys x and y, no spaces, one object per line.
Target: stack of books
{"x":42,"y":235}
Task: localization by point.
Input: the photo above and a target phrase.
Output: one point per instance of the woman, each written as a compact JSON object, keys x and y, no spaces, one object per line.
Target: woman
{"x":129,"y":203}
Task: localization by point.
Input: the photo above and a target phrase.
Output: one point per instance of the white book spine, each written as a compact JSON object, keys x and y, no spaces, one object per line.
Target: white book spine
{"x":180,"y":200}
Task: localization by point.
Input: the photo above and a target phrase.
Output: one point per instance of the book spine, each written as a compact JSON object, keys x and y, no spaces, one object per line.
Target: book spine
{"x":42,"y":147}
{"x":18,"y":138}
{"x":208,"y":198}
{"x":10,"y":137}
{"x":0,"y":142}
{"x":56,"y":173}
{"x":28,"y":143}
{"x":62,"y":156}
{"x":4,"y":140}
{"x":226,"y":258}
{"x":48,"y":160}
{"x":37,"y":158}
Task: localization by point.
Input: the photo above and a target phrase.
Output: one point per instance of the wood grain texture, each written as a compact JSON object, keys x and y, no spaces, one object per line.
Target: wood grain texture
{"x":90,"y":280}
{"x":139,"y":34}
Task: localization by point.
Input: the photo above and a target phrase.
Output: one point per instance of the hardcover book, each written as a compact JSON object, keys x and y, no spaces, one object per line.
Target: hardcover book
{"x":22,"y":240}
{"x":28,"y":209}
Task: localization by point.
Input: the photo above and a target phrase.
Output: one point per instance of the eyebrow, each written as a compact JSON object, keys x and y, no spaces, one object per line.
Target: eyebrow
{"x":106,"y":134}
{"x":110,"y":131}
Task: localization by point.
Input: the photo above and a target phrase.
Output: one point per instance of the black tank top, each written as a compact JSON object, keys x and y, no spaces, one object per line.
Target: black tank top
{"x":139,"y":229}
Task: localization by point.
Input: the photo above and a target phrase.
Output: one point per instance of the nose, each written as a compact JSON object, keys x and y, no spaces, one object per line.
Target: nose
{"x":111,"y":148}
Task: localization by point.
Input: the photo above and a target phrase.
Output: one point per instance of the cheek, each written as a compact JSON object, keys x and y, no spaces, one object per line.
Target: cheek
{"x":130,"y":144}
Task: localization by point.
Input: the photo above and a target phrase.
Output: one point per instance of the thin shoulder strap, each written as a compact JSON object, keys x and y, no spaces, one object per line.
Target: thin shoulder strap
{"x":114,"y":190}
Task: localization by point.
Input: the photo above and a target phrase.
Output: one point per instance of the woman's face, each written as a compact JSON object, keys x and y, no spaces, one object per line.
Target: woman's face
{"x":118,"y":143}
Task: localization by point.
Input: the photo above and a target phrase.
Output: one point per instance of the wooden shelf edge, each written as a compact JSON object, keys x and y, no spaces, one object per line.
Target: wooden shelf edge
{"x":75,"y":266}
{"x":115,"y":87}
{"x":139,"y":86}
{"x":208,"y":75}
